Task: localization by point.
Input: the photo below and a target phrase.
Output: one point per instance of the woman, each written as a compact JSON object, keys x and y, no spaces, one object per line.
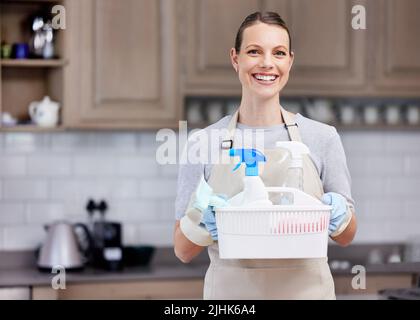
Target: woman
{"x":262,"y":58}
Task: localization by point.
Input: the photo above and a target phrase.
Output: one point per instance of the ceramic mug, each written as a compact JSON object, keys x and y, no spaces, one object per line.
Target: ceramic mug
{"x":413,"y":114}
{"x":371,"y":114}
{"x":347,"y":114}
{"x":392,"y":114}
{"x":20,"y":50}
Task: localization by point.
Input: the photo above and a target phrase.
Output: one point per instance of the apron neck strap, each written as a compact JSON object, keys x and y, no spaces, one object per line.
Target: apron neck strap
{"x":289,"y":124}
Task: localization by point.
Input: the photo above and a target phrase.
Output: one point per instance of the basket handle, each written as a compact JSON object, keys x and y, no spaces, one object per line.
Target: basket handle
{"x":299,"y":197}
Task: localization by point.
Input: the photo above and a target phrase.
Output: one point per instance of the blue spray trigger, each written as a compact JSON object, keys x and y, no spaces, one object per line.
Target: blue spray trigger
{"x":251,"y":157}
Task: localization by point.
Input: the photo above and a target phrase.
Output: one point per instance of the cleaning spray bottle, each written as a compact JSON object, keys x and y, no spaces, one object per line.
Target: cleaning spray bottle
{"x":255,"y":193}
{"x":294,"y":177}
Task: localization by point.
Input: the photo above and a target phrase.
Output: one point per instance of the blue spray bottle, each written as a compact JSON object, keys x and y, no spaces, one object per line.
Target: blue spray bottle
{"x":255,"y":193}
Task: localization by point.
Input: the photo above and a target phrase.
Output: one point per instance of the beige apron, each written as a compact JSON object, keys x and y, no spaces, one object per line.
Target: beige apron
{"x":266,"y":278}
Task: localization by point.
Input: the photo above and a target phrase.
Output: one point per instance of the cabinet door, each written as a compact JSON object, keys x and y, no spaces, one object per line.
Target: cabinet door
{"x":397,"y":46}
{"x":123,"y":57}
{"x":330,"y":56}
{"x":210,"y":33}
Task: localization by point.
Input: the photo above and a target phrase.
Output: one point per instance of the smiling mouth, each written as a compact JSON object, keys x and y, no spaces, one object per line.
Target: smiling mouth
{"x":265,"y":79}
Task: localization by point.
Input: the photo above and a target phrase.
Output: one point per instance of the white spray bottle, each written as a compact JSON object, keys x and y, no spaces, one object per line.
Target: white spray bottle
{"x":255,"y":193}
{"x":294,"y":177}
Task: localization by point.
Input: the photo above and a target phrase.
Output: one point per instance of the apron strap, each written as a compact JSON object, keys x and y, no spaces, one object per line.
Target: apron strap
{"x":289,"y":123}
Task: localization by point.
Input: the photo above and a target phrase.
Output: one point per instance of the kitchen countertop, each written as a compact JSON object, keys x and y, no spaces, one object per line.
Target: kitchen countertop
{"x":19,"y":269}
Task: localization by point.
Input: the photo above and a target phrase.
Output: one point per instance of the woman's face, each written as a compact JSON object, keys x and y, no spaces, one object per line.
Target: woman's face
{"x":264,"y":60}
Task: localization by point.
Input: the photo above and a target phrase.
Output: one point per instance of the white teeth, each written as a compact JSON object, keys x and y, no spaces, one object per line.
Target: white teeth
{"x":265,"y":78}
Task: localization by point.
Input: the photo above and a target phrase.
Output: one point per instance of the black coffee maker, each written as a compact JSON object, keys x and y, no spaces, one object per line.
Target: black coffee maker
{"x":106,"y":247}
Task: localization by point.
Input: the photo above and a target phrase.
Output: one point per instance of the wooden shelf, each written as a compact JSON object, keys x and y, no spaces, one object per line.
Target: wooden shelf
{"x":31,"y":128}
{"x":35,"y":63}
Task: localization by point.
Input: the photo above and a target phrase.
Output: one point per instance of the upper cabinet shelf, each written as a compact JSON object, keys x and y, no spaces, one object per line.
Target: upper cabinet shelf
{"x":35,"y":63}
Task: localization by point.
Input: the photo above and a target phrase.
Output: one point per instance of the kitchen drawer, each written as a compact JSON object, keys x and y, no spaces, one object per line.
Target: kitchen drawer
{"x":156,"y":289}
{"x":15,"y":293}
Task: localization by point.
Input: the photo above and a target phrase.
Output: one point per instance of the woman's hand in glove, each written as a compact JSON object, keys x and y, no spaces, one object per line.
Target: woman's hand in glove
{"x":209,"y":217}
{"x":339,"y":210}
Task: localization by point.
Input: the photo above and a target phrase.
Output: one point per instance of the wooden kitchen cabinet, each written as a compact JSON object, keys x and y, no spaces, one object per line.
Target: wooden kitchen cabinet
{"x":329,"y":54}
{"x":23,"y":81}
{"x":124,"y":64}
{"x":209,"y":34}
{"x":331,"y":58}
{"x":153,"y":289}
{"x":396,"y":47}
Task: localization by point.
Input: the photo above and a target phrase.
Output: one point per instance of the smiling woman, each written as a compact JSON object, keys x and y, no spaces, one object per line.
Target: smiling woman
{"x":262,"y":58}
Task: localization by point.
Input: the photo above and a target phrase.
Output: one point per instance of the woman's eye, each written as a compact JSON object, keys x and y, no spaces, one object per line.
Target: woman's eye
{"x":253,"y":51}
{"x":280,"y":53}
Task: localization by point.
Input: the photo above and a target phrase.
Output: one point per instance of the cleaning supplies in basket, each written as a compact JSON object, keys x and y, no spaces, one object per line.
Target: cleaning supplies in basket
{"x":254,"y":193}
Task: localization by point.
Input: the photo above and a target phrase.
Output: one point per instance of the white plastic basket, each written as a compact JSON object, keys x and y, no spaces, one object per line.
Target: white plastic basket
{"x":299,"y":230}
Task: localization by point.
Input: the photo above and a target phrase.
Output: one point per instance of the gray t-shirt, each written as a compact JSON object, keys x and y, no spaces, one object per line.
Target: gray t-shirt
{"x":323,"y":141}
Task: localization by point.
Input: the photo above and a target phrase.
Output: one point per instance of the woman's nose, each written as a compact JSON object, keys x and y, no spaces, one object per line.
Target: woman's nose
{"x":266,"y":61}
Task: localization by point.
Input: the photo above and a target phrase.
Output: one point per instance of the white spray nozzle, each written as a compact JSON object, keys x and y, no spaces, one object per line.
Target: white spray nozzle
{"x":296,"y":149}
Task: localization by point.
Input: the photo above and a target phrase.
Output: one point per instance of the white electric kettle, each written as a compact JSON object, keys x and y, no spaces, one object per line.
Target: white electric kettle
{"x":44,"y":113}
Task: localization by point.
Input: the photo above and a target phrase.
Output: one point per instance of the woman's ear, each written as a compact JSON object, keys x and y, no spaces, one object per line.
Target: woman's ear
{"x":292,"y":58}
{"x":234,"y":59}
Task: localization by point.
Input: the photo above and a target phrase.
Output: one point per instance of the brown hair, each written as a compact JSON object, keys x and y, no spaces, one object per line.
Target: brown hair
{"x":266,"y":17}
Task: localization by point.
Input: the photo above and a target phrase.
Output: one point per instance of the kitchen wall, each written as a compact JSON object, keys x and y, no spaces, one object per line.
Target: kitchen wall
{"x":44,"y":177}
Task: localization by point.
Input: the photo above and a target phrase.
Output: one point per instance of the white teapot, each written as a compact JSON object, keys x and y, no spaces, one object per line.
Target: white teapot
{"x":44,"y":113}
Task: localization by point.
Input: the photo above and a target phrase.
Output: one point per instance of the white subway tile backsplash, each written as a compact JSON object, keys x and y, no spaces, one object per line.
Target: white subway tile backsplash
{"x":412,"y":165}
{"x":404,"y":186}
{"x":158,"y":188}
{"x":167,"y":211}
{"x":63,"y":189}
{"x":52,"y":165}
{"x":367,"y":186}
{"x":69,"y":142}
{"x":12,"y":214}
{"x":26,"y":142}
{"x":386,"y":208}
{"x":12,"y":166}
{"x":375,"y":166}
{"x":136,"y":166}
{"x":94,"y":165}
{"x":147,"y":143}
{"x":168,"y":170}
{"x":121,"y":142}
{"x":411,"y":210}
{"x":363,"y":143}
{"x":42,"y":213}
{"x":398,"y":143}
{"x":23,"y":237}
{"x":125,"y":189}
{"x":134,"y":211}
{"x":158,"y":234}
{"x":46,"y":177}
{"x":24,"y":189}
